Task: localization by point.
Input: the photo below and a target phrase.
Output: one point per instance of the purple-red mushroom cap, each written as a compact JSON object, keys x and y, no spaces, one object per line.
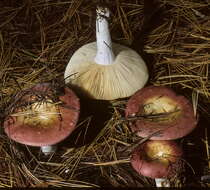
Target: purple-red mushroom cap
{"x":43,"y":123}
{"x":174,"y":119}
{"x":157,"y":159}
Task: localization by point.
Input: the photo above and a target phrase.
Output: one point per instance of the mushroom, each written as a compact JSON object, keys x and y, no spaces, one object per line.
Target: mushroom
{"x":159,"y":160}
{"x":42,"y":119}
{"x":105,"y":70}
{"x":160,"y":111}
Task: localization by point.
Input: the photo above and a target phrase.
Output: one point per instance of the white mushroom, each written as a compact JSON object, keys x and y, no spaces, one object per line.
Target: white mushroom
{"x":106,"y":70}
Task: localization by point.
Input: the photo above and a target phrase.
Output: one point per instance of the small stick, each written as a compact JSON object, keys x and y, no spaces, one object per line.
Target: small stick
{"x":150,"y":116}
{"x":136,"y":144}
{"x":207,"y":146}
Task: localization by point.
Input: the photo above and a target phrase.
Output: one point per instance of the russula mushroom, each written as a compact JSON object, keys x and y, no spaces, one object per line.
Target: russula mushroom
{"x":105,"y":70}
{"x":162,"y":111}
{"x":41,"y":119}
{"x":159,"y":160}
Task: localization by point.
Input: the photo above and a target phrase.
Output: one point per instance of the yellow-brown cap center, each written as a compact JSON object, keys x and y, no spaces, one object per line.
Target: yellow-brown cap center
{"x":160,"y":152}
{"x":164,"y":108}
{"x":40,"y":114}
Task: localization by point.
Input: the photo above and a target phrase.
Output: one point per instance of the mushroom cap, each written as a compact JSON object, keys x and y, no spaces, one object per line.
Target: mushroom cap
{"x":46,"y":123}
{"x":179,"y":122}
{"x":157,"y":159}
{"x":121,"y":79}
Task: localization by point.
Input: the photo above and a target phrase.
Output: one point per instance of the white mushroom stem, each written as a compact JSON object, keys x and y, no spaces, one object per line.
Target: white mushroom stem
{"x":46,"y":150}
{"x":162,"y":182}
{"x":104,"y":55}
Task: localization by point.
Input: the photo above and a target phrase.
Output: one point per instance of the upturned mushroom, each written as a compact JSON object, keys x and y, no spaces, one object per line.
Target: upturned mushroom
{"x":160,"y":111}
{"x":39,"y":118}
{"x":159,"y":160}
{"x":105,"y":70}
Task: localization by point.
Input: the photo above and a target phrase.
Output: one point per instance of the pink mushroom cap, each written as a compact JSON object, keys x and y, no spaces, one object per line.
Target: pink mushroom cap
{"x":57,"y":130}
{"x":157,"y":159}
{"x":180,"y":124}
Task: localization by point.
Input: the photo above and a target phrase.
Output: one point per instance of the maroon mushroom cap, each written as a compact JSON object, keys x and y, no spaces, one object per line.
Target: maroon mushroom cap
{"x":173,"y":115}
{"x":157,"y":159}
{"x":43,"y":123}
